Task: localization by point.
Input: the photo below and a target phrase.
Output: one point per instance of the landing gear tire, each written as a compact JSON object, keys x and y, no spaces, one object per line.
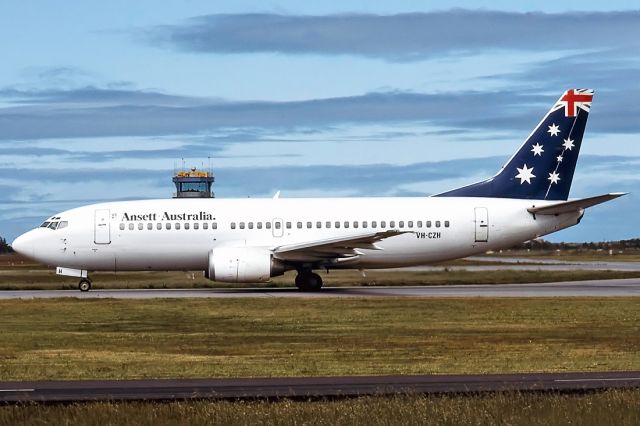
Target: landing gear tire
{"x":85,"y":285}
{"x":308,"y":281}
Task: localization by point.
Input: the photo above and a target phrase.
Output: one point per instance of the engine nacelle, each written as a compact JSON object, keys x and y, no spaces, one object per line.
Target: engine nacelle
{"x":242,"y":265}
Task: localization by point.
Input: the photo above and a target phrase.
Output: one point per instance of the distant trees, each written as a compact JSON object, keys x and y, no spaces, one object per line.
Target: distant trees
{"x":4,"y":247}
{"x":540,"y":244}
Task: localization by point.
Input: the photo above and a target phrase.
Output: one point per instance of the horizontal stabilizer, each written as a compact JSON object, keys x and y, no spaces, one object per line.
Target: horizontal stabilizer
{"x":574,"y":205}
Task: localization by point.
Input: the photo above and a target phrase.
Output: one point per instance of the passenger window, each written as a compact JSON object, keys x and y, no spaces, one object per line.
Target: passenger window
{"x":177,"y":225}
{"x":131,"y":227}
{"x":140,"y":226}
{"x":309,"y":225}
{"x":327,"y":225}
{"x":383,"y":224}
{"x":186,"y":226}
{"x":233,"y":225}
{"x":63,"y":224}
{"x":205,"y":225}
{"x":437,"y":224}
{"x":410,"y":224}
{"x":374,"y":224}
{"x":158,"y":226}
{"x":250,"y":225}
{"x":214,"y":225}
{"x":419,"y":224}
{"x":355,"y":223}
{"x":346,"y":224}
{"x":196,"y":225}
{"x":122,"y":226}
{"x":168,"y":226}
{"x":392,"y":224}
{"x":241,"y":225}
{"x":318,"y":225}
{"x":259,"y":225}
{"x":149,"y":226}
{"x":299,"y":225}
{"x":337,"y":224}
{"x":446,"y":223}
{"x":428,"y":224}
{"x":268,"y":225}
{"x":364,"y":223}
{"x":401,"y":224}
{"x":288,"y":225}
{"x":278,"y":225}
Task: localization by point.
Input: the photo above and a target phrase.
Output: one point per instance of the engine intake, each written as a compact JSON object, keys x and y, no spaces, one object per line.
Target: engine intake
{"x":243,"y":265}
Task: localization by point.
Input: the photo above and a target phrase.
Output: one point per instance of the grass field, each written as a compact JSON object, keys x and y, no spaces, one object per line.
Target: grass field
{"x":17,"y":273}
{"x":629,"y":255}
{"x":614,"y":407}
{"x":79,"y":339}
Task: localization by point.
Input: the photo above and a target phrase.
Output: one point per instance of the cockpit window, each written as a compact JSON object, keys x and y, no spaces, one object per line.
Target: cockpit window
{"x":45,"y":225}
{"x":63,"y":224}
{"x":53,"y":225}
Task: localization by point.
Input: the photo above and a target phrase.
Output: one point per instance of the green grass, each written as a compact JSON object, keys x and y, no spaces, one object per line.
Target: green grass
{"x":16,"y":273}
{"x":585,"y":255}
{"x":81,"y":339}
{"x":612,"y":407}
{"x":39,"y":279}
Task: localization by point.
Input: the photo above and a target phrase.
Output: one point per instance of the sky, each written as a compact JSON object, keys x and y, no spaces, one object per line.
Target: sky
{"x":101,"y":101}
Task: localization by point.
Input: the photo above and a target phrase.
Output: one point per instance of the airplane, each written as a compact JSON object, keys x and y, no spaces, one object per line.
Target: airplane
{"x":253,"y":240}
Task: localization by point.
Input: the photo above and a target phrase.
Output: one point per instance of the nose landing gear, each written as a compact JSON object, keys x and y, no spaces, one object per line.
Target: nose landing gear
{"x":307,"y":280}
{"x":85,"y":284}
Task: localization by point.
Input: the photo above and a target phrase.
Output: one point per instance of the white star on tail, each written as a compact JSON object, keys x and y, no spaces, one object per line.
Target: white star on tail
{"x":568,"y":143}
{"x":560,"y":158}
{"x":525,"y":174}
{"x":554,"y":177}
{"x":554,"y":130}
{"x":537,"y":149}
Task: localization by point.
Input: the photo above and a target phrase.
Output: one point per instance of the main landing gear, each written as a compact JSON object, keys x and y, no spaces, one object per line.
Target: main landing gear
{"x":85,"y":284}
{"x":307,"y":280}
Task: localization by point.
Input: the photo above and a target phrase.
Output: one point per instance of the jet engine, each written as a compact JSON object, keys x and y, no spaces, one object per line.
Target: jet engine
{"x":243,"y":265}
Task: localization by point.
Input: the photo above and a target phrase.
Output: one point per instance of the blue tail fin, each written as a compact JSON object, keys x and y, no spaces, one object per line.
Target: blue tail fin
{"x":543,"y":167}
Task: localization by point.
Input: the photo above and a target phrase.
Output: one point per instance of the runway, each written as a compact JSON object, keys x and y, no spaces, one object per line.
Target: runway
{"x":308,"y":387}
{"x":594,"y":288}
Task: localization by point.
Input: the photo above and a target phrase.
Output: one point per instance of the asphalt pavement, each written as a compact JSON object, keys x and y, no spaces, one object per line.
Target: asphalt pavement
{"x":308,"y":387}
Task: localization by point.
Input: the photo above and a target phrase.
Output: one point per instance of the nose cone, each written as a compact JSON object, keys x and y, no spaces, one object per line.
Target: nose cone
{"x":24,"y":244}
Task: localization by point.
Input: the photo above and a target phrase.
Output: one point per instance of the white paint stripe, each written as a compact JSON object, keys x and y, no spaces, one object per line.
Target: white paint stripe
{"x":600,"y":379}
{"x":17,"y":390}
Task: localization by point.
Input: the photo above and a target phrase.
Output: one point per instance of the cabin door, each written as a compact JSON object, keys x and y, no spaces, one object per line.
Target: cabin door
{"x":482,"y":224}
{"x":102,"y":227}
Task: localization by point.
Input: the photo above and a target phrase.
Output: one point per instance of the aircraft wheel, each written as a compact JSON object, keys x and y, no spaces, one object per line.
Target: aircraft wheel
{"x":308,"y":281}
{"x":85,"y":285}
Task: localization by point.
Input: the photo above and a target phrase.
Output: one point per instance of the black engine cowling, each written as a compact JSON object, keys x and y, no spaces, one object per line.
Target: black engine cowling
{"x":242,"y":265}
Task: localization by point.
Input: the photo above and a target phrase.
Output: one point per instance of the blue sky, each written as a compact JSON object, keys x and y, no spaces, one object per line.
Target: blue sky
{"x":99,"y":100}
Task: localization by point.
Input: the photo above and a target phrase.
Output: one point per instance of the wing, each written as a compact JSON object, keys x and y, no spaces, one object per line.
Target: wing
{"x":337,"y":249}
{"x":574,"y":205}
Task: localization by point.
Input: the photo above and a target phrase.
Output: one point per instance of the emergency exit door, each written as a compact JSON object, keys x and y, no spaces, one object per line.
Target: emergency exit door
{"x":102,"y":227}
{"x":482,"y":224}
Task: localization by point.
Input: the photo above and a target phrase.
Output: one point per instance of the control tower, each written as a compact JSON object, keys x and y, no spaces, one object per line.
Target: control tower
{"x":193,"y":184}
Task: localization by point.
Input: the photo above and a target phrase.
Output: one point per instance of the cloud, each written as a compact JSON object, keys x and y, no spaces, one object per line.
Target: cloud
{"x":402,"y":37}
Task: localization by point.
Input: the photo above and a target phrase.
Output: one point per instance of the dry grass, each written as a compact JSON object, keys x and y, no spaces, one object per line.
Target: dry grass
{"x":79,"y":339}
{"x":613,"y":407}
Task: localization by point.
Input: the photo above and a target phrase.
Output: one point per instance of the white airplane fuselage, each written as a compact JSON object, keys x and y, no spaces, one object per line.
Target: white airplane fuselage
{"x":134,"y":235}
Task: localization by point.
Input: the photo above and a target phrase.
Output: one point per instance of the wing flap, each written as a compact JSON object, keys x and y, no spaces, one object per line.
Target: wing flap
{"x":574,"y":205}
{"x":331,"y":248}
